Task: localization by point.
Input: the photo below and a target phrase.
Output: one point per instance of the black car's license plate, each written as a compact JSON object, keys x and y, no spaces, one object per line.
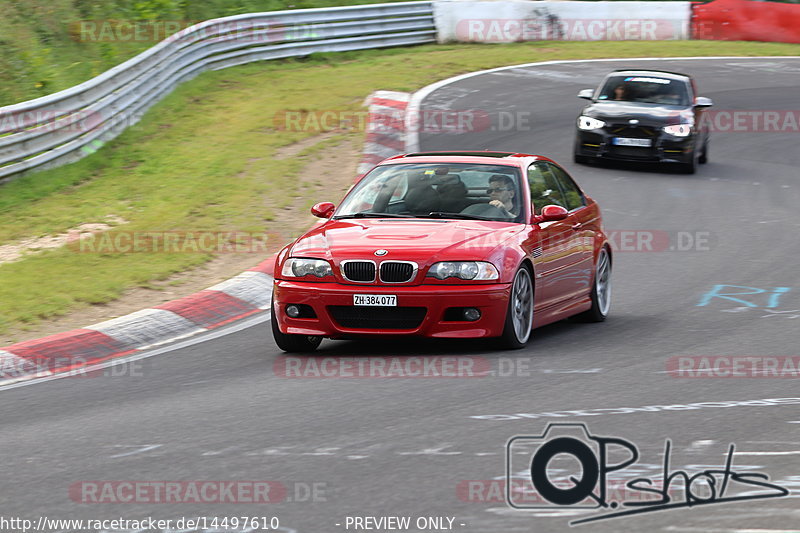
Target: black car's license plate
{"x":627,"y":141}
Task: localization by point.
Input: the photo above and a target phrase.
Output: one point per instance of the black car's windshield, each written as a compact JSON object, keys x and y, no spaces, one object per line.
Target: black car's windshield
{"x":645,"y":89}
{"x":437,"y":190}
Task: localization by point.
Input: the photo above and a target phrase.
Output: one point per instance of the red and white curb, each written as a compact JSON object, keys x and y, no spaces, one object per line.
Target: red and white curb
{"x":386,"y":128}
{"x":241,"y":296}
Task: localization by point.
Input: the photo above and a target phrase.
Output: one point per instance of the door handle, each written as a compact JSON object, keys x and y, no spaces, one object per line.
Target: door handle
{"x":577,"y":226}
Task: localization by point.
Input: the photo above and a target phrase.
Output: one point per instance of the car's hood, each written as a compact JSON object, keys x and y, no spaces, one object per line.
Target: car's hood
{"x":645,"y":113}
{"x":422,"y":241}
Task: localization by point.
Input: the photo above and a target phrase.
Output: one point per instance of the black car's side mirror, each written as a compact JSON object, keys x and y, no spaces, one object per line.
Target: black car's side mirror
{"x":702,"y":101}
{"x":586,"y":94}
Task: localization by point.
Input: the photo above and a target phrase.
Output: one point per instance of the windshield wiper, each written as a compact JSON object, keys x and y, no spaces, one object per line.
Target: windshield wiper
{"x":464,"y":216}
{"x":373,"y":215}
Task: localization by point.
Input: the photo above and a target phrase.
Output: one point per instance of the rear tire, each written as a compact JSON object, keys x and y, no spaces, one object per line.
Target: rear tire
{"x":292,"y":343}
{"x":601,"y":290}
{"x":519,"y":315}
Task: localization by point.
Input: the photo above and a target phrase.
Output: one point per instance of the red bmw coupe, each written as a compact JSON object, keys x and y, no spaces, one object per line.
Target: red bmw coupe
{"x":446,"y":244}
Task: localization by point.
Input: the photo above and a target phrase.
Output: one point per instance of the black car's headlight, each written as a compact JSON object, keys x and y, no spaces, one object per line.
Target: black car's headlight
{"x":589,"y":123}
{"x":297,"y":267}
{"x":678,"y":130}
{"x":469,"y":270}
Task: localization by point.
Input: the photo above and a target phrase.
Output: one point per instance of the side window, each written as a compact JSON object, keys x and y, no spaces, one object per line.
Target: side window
{"x":572,"y":195}
{"x":544,"y":187}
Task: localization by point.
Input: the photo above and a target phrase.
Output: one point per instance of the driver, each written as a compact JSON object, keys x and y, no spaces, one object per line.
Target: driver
{"x":501,"y":194}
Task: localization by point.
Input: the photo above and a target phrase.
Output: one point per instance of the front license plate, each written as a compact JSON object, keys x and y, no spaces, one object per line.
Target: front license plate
{"x":375,"y":300}
{"x":626,"y":141}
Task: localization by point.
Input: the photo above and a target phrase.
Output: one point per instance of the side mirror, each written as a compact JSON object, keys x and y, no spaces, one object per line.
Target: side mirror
{"x":323,"y":209}
{"x":586,"y":94}
{"x":702,"y":101}
{"x":551,"y":213}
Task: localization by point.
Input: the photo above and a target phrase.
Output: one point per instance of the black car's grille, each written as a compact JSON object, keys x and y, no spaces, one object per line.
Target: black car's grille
{"x":363,"y":271}
{"x":377,"y":317}
{"x":633,"y":152}
{"x":636,"y":132}
{"x":396,"y":272}
{"x":630,"y":131}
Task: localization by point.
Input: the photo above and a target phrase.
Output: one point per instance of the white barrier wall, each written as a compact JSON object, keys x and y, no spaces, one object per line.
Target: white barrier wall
{"x":513,"y":21}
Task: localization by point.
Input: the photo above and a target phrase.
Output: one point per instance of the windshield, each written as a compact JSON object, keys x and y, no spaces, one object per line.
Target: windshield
{"x":436,"y":190}
{"x":646,"y":89}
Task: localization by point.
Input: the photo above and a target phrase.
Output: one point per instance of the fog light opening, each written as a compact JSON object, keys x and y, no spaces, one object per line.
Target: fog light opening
{"x":293,"y":311}
{"x":471,"y":314}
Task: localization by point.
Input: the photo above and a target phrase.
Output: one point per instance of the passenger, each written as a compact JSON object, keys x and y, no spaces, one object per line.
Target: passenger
{"x":421,"y":197}
{"x":452,"y":193}
{"x":671,"y":97}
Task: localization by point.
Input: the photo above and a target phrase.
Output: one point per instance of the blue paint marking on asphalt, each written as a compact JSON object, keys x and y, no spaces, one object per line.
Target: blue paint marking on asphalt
{"x":773,"y":299}
{"x":773,"y":294}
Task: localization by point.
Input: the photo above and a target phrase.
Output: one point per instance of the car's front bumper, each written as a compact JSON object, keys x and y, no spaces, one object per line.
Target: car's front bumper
{"x":664,"y":148}
{"x":330,"y":301}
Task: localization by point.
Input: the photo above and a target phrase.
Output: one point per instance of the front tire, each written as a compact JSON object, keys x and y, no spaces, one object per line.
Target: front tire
{"x":519,"y":315}
{"x":292,"y":343}
{"x":691,"y":166}
{"x":704,"y":156}
{"x":580,"y":159}
{"x":577,"y":157}
{"x":601,"y":290}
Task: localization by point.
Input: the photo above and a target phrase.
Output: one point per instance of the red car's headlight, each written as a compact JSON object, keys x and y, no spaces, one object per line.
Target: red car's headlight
{"x":297,"y":267}
{"x":469,"y":270}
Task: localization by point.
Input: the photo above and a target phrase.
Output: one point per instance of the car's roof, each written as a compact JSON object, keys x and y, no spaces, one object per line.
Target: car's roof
{"x":660,"y":73}
{"x":472,"y":157}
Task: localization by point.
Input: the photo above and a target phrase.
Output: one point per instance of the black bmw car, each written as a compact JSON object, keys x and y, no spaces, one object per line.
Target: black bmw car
{"x":644,"y":115}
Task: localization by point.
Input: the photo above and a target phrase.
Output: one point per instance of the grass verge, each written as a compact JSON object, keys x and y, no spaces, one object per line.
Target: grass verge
{"x":50,"y":45}
{"x":204,"y":159}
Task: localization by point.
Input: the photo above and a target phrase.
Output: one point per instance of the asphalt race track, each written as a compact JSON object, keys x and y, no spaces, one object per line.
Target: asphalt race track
{"x":216,"y":410}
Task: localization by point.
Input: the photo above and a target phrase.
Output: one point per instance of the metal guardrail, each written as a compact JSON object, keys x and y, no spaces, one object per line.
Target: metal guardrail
{"x":67,"y":125}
